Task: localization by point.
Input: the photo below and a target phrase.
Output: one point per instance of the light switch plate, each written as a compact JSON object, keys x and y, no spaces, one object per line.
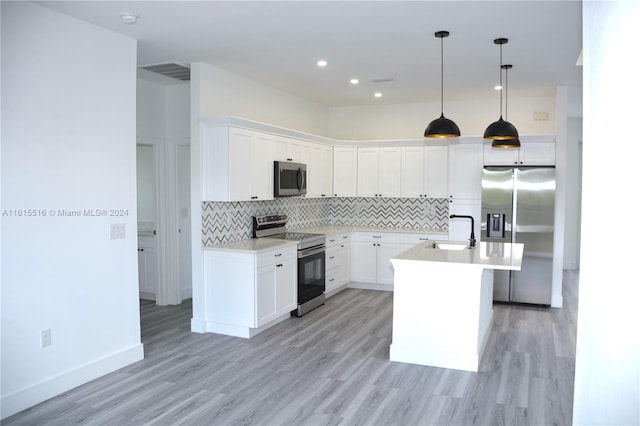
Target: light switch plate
{"x":117,"y":231}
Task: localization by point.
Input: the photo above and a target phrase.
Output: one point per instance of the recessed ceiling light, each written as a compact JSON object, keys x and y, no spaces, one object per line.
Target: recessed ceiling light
{"x":129,"y":18}
{"x":355,"y":81}
{"x":322,"y":63}
{"x":377,"y":95}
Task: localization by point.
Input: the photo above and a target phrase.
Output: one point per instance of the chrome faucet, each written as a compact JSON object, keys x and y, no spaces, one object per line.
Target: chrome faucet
{"x":472,"y":238}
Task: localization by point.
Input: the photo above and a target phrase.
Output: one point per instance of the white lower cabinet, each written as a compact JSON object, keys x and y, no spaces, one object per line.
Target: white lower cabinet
{"x":147,"y":268}
{"x":275,"y":287}
{"x":337,"y":263}
{"x":246,"y":292}
{"x":370,"y":257}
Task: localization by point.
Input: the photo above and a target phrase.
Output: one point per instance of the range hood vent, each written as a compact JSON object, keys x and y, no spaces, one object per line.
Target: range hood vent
{"x":171,"y":69}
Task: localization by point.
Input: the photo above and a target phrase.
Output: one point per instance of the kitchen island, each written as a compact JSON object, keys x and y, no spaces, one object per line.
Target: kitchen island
{"x":443,"y":301}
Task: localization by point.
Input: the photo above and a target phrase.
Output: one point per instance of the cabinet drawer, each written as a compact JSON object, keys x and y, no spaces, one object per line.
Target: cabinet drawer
{"x":276,"y":256}
{"x":379,"y":237}
{"x":421,"y":238}
{"x":332,"y":258}
{"x":337,"y":239}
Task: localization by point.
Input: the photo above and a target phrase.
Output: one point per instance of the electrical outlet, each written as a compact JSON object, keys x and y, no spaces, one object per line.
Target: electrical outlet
{"x":45,"y":338}
{"x":117,"y":231}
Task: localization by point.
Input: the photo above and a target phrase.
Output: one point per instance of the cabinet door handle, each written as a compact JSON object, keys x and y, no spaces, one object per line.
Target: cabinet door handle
{"x":331,"y":257}
{"x":332,"y":279}
{"x":254,"y":197}
{"x":423,"y":239}
{"x":377,"y":236}
{"x":277,"y":255}
{"x":279,"y":265}
{"x":332,"y":240}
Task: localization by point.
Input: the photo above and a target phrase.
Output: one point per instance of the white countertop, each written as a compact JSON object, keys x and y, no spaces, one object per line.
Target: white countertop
{"x":505,"y":256}
{"x":262,"y":244}
{"x":255,"y":245}
{"x":330,"y":230}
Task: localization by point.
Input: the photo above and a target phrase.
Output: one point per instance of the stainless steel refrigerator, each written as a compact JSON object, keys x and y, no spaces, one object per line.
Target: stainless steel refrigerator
{"x":518,"y":206}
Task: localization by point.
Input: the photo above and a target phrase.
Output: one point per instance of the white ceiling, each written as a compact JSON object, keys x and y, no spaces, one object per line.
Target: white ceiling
{"x":278,"y":43}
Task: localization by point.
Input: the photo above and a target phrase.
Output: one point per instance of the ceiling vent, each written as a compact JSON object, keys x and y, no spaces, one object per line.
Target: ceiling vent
{"x":171,"y":69}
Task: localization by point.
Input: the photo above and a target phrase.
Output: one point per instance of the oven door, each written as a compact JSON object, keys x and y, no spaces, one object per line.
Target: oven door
{"x":311,"y":279}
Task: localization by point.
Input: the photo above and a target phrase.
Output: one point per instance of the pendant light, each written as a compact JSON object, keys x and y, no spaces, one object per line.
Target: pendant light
{"x":501,"y":130}
{"x":509,"y":143}
{"x":442,"y":127}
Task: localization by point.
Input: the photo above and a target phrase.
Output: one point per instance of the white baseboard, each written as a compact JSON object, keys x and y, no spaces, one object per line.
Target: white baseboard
{"x":34,"y":394}
{"x":371,"y":286}
{"x":147,"y":296}
{"x":185,"y":293}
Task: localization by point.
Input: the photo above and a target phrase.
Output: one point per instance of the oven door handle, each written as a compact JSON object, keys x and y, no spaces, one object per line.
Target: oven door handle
{"x":311,"y":251}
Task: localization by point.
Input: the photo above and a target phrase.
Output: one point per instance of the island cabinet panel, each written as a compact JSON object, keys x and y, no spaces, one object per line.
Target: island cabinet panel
{"x":370,"y":257}
{"x":379,"y":172}
{"x":424,"y":171}
{"x":237,"y":164}
{"x":529,"y":154}
{"x":338,"y":268}
{"x":441,"y":315}
{"x":345,"y":171}
{"x":247,"y":292}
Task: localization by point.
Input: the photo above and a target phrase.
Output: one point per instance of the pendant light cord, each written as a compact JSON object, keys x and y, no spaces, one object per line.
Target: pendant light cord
{"x":501,"y":86}
{"x":506,"y":93}
{"x":441,"y":76}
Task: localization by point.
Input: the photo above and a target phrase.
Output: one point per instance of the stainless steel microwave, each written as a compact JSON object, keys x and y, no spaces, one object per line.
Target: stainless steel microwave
{"x":289,"y":179}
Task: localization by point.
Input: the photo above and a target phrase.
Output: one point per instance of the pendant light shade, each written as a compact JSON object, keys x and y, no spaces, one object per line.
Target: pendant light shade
{"x":503,"y":133}
{"x":442,"y":127}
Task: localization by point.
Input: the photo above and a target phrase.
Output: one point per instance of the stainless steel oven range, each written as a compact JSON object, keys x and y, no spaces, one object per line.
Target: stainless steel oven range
{"x":311,"y":259}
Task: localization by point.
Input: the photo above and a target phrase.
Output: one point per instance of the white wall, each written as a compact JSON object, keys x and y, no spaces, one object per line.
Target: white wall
{"x":225,"y":94}
{"x":68,"y":142}
{"x":607,"y":377}
{"x":574,"y":189}
{"x":408,"y":121}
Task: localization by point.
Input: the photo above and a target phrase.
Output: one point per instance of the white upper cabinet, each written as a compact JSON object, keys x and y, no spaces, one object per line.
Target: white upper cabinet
{"x":320,"y":171}
{"x":465,"y":171}
{"x":529,"y":154}
{"x":379,"y":172}
{"x":289,"y":149}
{"x":424,"y":171}
{"x":345,"y":171}
{"x":237,"y":164}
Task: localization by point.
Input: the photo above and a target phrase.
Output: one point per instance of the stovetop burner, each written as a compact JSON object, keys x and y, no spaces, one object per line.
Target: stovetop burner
{"x":274,"y":226}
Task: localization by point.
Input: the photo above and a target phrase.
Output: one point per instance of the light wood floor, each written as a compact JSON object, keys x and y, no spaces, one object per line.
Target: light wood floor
{"x":330,"y":367}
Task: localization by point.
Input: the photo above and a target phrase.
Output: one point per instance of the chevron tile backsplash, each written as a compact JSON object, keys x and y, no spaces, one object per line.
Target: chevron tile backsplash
{"x":231,"y":221}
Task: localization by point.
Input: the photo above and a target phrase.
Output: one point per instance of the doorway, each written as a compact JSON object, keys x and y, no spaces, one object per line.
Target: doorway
{"x":147,"y":194}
